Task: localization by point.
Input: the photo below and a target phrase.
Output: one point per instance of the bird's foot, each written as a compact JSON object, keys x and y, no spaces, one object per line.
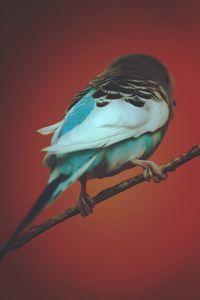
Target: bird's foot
{"x":151,"y":170}
{"x":85,"y":204}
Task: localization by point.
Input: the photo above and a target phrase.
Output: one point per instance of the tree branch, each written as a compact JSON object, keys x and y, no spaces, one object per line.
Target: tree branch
{"x":103,"y":195}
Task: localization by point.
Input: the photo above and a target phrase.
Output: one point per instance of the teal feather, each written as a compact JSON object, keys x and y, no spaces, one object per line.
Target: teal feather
{"x":78,"y":113}
{"x":110,"y":159}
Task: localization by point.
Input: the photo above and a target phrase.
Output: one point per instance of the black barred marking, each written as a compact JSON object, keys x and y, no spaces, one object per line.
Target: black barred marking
{"x":115,"y":85}
{"x":99,"y":93}
{"x":136,"y":102}
{"x":114,"y":96}
{"x":126,"y":90}
{"x":140,"y":95}
{"x":111,"y":86}
{"x":134,"y":93}
{"x":145,"y":92}
{"x":163,"y":95}
{"x":102,"y":104}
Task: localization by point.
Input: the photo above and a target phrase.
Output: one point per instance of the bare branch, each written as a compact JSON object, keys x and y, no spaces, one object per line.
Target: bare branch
{"x":103,"y":195}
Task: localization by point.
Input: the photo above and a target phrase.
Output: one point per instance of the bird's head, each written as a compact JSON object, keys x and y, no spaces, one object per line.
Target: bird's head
{"x":147,"y":67}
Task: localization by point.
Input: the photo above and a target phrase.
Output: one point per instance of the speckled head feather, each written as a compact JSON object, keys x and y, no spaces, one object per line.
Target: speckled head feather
{"x":132,"y":73}
{"x":143,"y":66}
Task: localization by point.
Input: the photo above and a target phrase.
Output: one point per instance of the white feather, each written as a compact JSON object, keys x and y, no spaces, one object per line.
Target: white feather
{"x":112,"y":123}
{"x":49,"y":129}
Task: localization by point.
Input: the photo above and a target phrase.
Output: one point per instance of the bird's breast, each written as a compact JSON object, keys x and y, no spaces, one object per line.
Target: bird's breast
{"x":117,"y":157}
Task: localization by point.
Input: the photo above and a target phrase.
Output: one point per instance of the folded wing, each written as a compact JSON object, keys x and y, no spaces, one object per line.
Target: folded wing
{"x":90,"y":125}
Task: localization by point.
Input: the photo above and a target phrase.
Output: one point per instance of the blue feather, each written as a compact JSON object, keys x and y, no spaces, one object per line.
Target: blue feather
{"x":78,"y":113}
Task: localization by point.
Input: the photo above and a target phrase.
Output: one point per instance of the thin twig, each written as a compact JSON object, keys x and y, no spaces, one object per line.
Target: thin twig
{"x":103,"y":195}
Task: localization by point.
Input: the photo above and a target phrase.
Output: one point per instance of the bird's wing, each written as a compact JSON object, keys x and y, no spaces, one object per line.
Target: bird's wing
{"x":107,"y":115}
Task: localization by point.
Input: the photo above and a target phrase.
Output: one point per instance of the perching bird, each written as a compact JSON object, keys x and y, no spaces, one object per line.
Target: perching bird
{"x":115,"y":123}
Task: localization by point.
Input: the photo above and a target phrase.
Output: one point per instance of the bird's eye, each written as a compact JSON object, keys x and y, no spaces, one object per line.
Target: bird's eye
{"x":135,"y":102}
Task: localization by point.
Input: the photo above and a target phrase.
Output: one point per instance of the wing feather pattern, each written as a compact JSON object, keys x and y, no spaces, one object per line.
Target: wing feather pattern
{"x":89,"y":125}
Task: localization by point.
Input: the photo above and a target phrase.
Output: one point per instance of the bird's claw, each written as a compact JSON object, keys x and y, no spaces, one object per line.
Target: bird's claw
{"x":154,"y":172}
{"x":85,"y":205}
{"x":151,"y":170}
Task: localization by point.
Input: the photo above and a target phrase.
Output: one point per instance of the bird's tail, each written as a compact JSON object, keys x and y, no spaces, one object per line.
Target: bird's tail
{"x":53,"y":189}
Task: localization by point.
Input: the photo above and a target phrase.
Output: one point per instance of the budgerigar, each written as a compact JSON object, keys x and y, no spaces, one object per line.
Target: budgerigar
{"x":115,"y":123}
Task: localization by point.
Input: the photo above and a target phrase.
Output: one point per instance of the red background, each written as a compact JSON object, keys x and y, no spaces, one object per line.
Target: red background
{"x":142,"y":244}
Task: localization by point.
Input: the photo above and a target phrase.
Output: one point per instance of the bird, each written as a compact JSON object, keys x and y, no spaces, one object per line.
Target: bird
{"x":114,"y":124}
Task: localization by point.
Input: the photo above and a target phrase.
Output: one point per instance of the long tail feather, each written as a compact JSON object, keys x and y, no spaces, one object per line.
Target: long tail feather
{"x":56,"y":185}
{"x":42,"y":201}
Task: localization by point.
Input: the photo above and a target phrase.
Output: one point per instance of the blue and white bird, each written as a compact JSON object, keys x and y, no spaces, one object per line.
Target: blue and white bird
{"x":114,"y":124}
